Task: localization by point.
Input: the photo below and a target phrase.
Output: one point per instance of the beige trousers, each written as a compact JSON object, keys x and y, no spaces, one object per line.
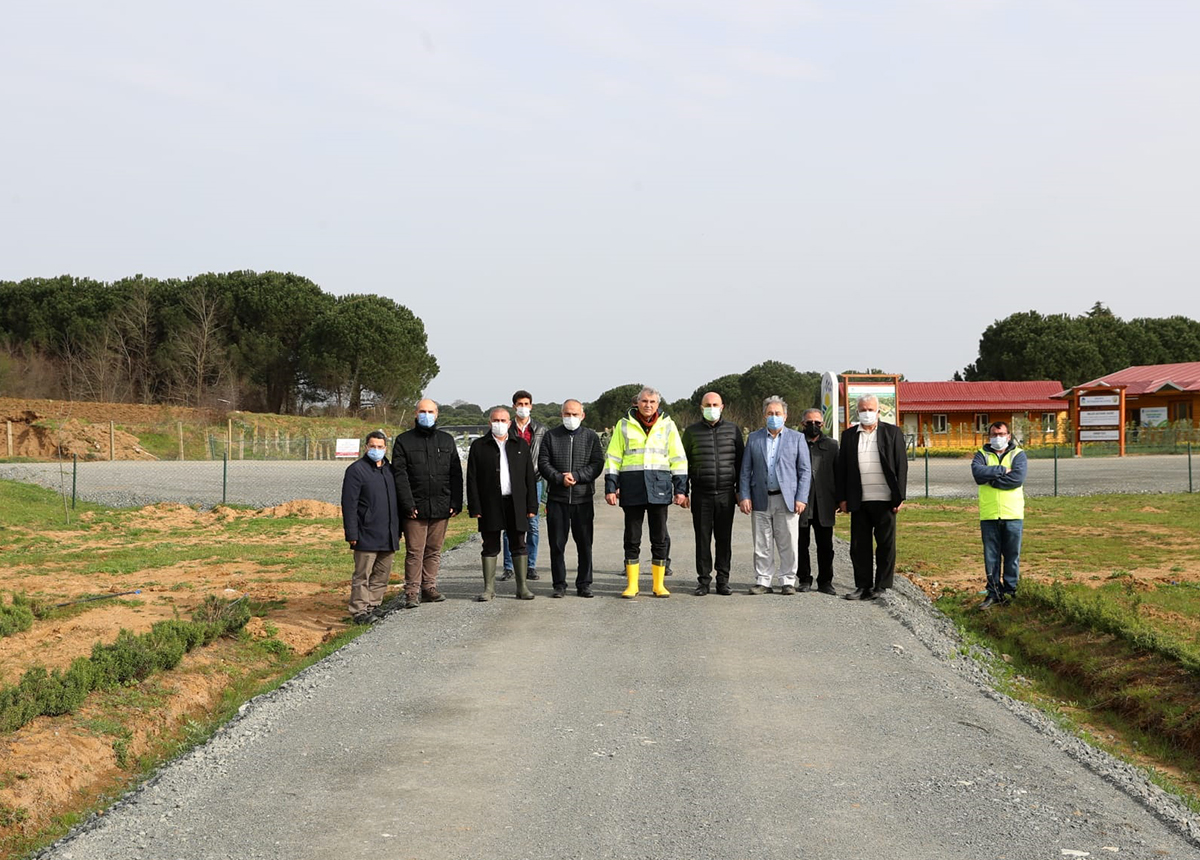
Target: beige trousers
{"x":422,"y":554}
{"x":371,"y":573}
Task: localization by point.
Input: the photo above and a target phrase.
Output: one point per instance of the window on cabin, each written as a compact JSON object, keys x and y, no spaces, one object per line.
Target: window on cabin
{"x":1049,"y":422}
{"x":940,"y":424}
{"x":981,"y":422}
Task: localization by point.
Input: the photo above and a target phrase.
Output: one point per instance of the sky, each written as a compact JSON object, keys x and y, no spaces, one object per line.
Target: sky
{"x":578,"y":195}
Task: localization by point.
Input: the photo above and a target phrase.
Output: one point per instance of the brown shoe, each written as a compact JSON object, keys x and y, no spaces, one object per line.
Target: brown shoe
{"x":788,"y":589}
{"x":410,"y":602}
{"x":432,"y":595}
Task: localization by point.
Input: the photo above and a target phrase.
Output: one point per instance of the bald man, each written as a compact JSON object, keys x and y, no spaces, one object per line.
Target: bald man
{"x":429,"y":490}
{"x":713,"y":447}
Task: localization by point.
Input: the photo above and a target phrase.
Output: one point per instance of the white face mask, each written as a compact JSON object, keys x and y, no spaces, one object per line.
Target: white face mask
{"x":522,"y":412}
{"x":998,"y":443}
{"x":867,"y":417}
{"x":712,"y":413}
{"x":499,"y":429}
{"x":572,"y":422}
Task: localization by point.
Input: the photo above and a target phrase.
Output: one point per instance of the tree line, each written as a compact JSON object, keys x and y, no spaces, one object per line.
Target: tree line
{"x":1076,"y":349}
{"x":262,"y":342}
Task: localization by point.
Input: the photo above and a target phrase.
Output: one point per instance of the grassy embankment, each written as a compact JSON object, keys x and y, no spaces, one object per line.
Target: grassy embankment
{"x":1105,"y":632}
{"x":293,"y":572}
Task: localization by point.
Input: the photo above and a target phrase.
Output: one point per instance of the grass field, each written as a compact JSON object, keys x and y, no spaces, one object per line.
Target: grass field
{"x":290,"y":564}
{"x":1105,"y":631}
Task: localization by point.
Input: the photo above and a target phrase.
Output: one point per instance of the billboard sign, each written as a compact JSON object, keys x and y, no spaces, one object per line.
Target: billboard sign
{"x":885,"y":391}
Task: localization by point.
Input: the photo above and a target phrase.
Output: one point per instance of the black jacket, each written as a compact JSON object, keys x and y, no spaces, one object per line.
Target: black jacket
{"x":714,"y":456}
{"x":537,"y":431}
{"x":483,"y":483}
{"x":428,"y":473}
{"x":579,"y":452}
{"x":369,"y":512}
{"x":893,"y":457}
{"x":822,"y":454}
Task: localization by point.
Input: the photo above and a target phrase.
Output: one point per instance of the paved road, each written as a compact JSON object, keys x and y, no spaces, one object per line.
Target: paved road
{"x":714,"y":727}
{"x":261,"y":483}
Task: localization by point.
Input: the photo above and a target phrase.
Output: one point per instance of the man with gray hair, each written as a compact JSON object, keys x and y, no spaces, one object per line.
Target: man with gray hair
{"x":774,"y":488}
{"x":646,"y":470}
{"x":871,"y":477}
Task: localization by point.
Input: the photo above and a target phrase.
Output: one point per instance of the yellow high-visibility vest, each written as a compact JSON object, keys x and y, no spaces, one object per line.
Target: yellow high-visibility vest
{"x":997,"y":504}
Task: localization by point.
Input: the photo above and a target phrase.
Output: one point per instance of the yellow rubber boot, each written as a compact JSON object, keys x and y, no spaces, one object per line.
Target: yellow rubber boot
{"x":632,"y":571}
{"x":658,"y":571}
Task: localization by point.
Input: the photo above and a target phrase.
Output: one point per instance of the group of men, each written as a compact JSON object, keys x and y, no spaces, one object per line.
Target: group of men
{"x":790,"y":483}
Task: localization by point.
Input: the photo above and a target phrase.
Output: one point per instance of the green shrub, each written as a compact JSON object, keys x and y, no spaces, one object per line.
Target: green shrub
{"x":15,"y":616}
{"x":127,"y":660}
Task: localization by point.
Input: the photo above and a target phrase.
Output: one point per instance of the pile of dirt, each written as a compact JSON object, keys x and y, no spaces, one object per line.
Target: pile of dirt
{"x":70,"y":438}
{"x":306,"y":509}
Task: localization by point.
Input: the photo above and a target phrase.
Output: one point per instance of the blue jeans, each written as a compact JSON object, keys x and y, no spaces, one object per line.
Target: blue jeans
{"x":1001,"y":555}
{"x":531,"y":537}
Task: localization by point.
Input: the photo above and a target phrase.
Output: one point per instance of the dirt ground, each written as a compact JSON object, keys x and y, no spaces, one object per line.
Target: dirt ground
{"x":55,"y":763}
{"x":44,"y":429}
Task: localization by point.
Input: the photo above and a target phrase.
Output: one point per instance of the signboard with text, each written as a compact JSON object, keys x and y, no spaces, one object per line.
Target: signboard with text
{"x":347,"y":449}
{"x":1100,"y":400}
{"x":1099,"y":416}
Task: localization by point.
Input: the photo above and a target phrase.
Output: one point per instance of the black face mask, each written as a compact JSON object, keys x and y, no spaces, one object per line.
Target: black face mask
{"x":812,"y":429}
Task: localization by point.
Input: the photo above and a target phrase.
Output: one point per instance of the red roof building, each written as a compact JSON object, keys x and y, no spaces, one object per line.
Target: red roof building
{"x":1155,"y":393}
{"x":956,"y":414}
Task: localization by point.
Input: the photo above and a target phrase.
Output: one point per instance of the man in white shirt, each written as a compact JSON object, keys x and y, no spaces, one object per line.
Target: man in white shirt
{"x":502,"y":495}
{"x":871,"y":477}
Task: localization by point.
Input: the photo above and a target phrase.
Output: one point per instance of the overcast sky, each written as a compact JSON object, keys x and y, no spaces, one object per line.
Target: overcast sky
{"x":576,"y":195}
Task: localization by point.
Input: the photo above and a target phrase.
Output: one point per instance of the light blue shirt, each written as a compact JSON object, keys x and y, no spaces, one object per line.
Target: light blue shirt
{"x":772,"y":451}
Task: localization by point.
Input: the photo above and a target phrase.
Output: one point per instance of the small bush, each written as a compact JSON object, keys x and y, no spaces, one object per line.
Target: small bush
{"x":15,"y":616}
{"x":127,"y":660}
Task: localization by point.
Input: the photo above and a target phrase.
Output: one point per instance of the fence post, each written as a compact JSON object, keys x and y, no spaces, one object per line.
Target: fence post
{"x":8,"y":426}
{"x":927,"y":472}
{"x":74,"y":477}
{"x":1056,"y":468}
{"x":112,"y":441}
{"x":179,"y":425}
{"x":224,"y":476}
{"x":242,"y":445}
{"x":1189,"y":465}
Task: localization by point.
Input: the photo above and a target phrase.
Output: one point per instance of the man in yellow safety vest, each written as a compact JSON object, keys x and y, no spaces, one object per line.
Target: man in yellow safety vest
{"x":646,"y":470}
{"x":999,"y":470}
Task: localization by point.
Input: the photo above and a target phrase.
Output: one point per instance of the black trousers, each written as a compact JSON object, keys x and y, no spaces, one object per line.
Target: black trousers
{"x":660,"y":544}
{"x":578,"y":520}
{"x":712,"y":517}
{"x":873,"y":519}
{"x":824,"y":555}
{"x":516,"y":539}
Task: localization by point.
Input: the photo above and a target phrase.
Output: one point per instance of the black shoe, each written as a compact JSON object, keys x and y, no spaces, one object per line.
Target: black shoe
{"x":803,"y":588}
{"x":364,"y":618}
{"x":827,"y":589}
{"x":858,"y":594}
{"x":559,"y":591}
{"x":989,"y":602}
{"x":701,"y":590}
{"x":507,"y":575}
{"x":586,"y":591}
{"x":532,"y":574}
{"x":723,"y":589}
{"x":873,"y":594}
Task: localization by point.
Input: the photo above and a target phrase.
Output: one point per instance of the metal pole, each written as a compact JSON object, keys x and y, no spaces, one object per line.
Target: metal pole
{"x":224,"y":476}
{"x":927,"y":471}
{"x":1190,"y":466}
{"x":1056,"y":468}
{"x":74,"y":477}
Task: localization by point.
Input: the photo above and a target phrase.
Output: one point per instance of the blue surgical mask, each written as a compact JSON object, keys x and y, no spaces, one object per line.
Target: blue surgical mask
{"x":376,"y":454}
{"x":426,"y":419}
{"x":774,"y":422}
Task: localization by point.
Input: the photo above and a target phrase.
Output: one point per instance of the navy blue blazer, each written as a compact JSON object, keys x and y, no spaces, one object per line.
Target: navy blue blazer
{"x":792,"y":468}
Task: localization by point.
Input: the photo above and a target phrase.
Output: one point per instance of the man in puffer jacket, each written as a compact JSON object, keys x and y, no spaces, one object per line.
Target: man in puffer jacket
{"x":713,"y":448}
{"x":569,"y":461}
{"x":429,"y":490}
{"x":646,"y":470}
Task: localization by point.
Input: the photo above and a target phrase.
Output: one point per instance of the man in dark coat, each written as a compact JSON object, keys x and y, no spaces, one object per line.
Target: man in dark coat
{"x":821,"y":510}
{"x":872,"y":480}
{"x":502,"y":495}
{"x":371,"y":523}
{"x":714,"y":456}
{"x":569,"y":460}
{"x":429,"y":488}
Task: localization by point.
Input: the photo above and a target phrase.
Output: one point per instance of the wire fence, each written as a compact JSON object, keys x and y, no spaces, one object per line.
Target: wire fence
{"x":267,"y":482}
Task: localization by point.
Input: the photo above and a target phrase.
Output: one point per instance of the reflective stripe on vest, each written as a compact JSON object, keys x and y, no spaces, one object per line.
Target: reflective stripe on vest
{"x":997,"y":504}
